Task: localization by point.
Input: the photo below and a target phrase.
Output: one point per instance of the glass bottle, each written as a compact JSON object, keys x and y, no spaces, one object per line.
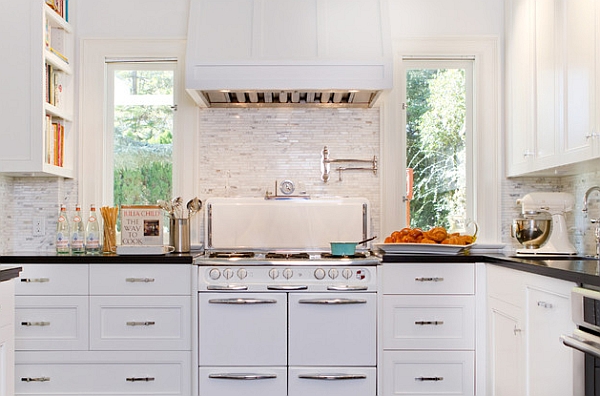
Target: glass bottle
{"x":62,"y":232}
{"x":77,"y":232}
{"x":92,"y":233}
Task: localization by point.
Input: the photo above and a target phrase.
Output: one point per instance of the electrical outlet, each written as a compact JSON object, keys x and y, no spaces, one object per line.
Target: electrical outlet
{"x":39,"y":226}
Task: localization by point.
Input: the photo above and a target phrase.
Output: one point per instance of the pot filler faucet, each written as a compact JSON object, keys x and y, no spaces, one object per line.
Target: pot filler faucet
{"x":593,"y":221}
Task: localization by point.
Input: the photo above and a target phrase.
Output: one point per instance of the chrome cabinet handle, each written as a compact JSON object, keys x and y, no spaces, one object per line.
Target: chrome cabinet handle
{"x":516,"y":330}
{"x":346,"y":287}
{"x":287,"y":287}
{"x":227,"y":287}
{"x":240,"y":301}
{"x":332,"y":301}
{"x":139,"y":379}
{"x":434,"y":279}
{"x":581,"y":345}
{"x":544,"y":304}
{"x":332,"y":376}
{"x":41,"y":324}
{"x":35,"y":379}
{"x":242,"y":376}
{"x":35,"y":280}
{"x":149,"y":323}
{"x":429,"y":322}
{"x":429,"y":379}
{"x":139,"y":280}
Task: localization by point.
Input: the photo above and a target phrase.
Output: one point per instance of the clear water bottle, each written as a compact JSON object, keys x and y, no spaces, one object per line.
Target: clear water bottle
{"x":77,"y":232}
{"x":62,"y":232}
{"x":92,"y":233}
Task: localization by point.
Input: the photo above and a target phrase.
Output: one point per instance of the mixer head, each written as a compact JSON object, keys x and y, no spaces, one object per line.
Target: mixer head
{"x":551,"y":202}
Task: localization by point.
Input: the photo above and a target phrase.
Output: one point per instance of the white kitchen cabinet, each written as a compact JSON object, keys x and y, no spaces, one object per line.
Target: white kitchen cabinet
{"x":429,"y":314}
{"x":28,"y":143}
{"x":551,"y":84}
{"x":7,"y":334}
{"x":527,"y":313}
{"x":103,"y":329}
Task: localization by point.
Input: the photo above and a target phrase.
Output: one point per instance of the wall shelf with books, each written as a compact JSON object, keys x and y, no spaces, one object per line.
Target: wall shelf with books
{"x":40,"y":136}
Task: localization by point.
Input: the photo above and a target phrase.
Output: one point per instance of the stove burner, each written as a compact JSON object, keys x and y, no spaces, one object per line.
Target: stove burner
{"x":231,"y":254}
{"x":287,"y":256}
{"x":354,"y":256}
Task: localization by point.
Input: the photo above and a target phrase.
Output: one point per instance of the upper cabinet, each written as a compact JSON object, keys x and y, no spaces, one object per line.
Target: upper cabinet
{"x":38,"y":138}
{"x":551,"y":69}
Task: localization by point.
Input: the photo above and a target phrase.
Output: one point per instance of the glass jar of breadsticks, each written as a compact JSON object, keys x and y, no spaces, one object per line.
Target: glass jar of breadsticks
{"x":109,"y":217}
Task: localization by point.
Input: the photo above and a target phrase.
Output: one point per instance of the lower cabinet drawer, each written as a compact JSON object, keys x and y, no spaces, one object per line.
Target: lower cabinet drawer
{"x":332,"y":381}
{"x":428,"y":373}
{"x":140,"y":323}
{"x":236,"y":381}
{"x":428,"y":322}
{"x":51,"y":323}
{"x":100,"y":374}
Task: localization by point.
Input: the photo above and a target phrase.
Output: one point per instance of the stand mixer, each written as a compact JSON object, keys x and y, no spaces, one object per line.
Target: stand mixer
{"x":542,"y":229}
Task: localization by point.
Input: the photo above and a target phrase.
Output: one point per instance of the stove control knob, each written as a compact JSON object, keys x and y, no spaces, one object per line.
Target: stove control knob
{"x":273,"y":273}
{"x":228,"y":273}
{"x":242,"y":273}
{"x":288,"y":273}
{"x":214,"y":274}
{"x":333,"y":273}
{"x":347,"y":273}
{"x":319,"y":273}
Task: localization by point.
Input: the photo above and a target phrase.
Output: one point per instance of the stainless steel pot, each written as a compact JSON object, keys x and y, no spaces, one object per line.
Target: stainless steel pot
{"x":532,"y":230}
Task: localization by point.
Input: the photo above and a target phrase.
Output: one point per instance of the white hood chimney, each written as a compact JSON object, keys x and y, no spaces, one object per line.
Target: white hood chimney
{"x":258,"y":53}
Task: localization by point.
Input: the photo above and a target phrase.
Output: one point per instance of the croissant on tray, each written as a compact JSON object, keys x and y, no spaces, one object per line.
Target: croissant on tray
{"x":436,"y":235}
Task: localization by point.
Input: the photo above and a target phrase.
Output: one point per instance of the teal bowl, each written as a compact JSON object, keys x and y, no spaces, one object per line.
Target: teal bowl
{"x":343,"y":248}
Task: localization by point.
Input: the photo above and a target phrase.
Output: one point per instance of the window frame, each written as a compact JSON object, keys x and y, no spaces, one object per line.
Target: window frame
{"x":487,"y":125}
{"x":94,"y":54}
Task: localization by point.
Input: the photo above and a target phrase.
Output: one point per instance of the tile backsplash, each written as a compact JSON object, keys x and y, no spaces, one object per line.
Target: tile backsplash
{"x":243,"y":152}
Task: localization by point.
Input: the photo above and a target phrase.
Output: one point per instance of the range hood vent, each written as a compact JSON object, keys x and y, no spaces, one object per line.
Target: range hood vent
{"x":269,"y":53}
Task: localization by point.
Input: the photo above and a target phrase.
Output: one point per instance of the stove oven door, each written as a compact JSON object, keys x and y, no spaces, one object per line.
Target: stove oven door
{"x":242,"y":329}
{"x":332,"y":329}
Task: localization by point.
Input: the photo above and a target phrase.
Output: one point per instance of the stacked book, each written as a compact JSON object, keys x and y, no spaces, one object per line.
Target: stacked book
{"x":60,"y":6}
{"x":55,"y":141}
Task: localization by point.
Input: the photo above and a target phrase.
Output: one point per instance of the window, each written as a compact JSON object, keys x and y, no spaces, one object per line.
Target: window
{"x":139,"y":139}
{"x":438,"y":104}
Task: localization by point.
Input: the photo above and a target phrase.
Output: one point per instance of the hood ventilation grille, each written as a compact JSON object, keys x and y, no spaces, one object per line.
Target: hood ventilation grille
{"x":289,"y":98}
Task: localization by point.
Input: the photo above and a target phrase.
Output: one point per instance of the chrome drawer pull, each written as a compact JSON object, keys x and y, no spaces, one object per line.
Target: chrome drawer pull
{"x":35,"y":280}
{"x":347,"y":287}
{"x":141,"y":323}
{"x":242,"y":376}
{"x":332,"y":376}
{"x":544,"y":304}
{"x":429,"y":378}
{"x":434,"y":279}
{"x":142,"y":280}
{"x":227,"y":287}
{"x":139,"y":379}
{"x":41,"y":324}
{"x":37,"y":379}
{"x":332,"y":301}
{"x":240,"y":301}
{"x":429,"y":322}
{"x":287,"y":287}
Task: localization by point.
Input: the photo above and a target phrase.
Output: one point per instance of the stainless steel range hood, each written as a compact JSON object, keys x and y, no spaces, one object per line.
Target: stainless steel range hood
{"x":260,"y":53}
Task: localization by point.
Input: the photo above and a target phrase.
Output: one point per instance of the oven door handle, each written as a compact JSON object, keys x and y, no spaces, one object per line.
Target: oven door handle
{"x":287,"y":287}
{"x":581,"y":345}
{"x":227,"y":287}
{"x":242,"y":376}
{"x":240,"y":301}
{"x":332,"y":301}
{"x":333,"y":377}
{"x":347,"y":287}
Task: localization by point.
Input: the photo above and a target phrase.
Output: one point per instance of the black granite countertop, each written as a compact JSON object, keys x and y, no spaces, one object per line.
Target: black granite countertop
{"x":582,"y":270}
{"x":8,"y":272}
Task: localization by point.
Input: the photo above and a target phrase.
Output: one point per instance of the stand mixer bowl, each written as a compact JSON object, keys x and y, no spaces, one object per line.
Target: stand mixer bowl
{"x":531,"y":230}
